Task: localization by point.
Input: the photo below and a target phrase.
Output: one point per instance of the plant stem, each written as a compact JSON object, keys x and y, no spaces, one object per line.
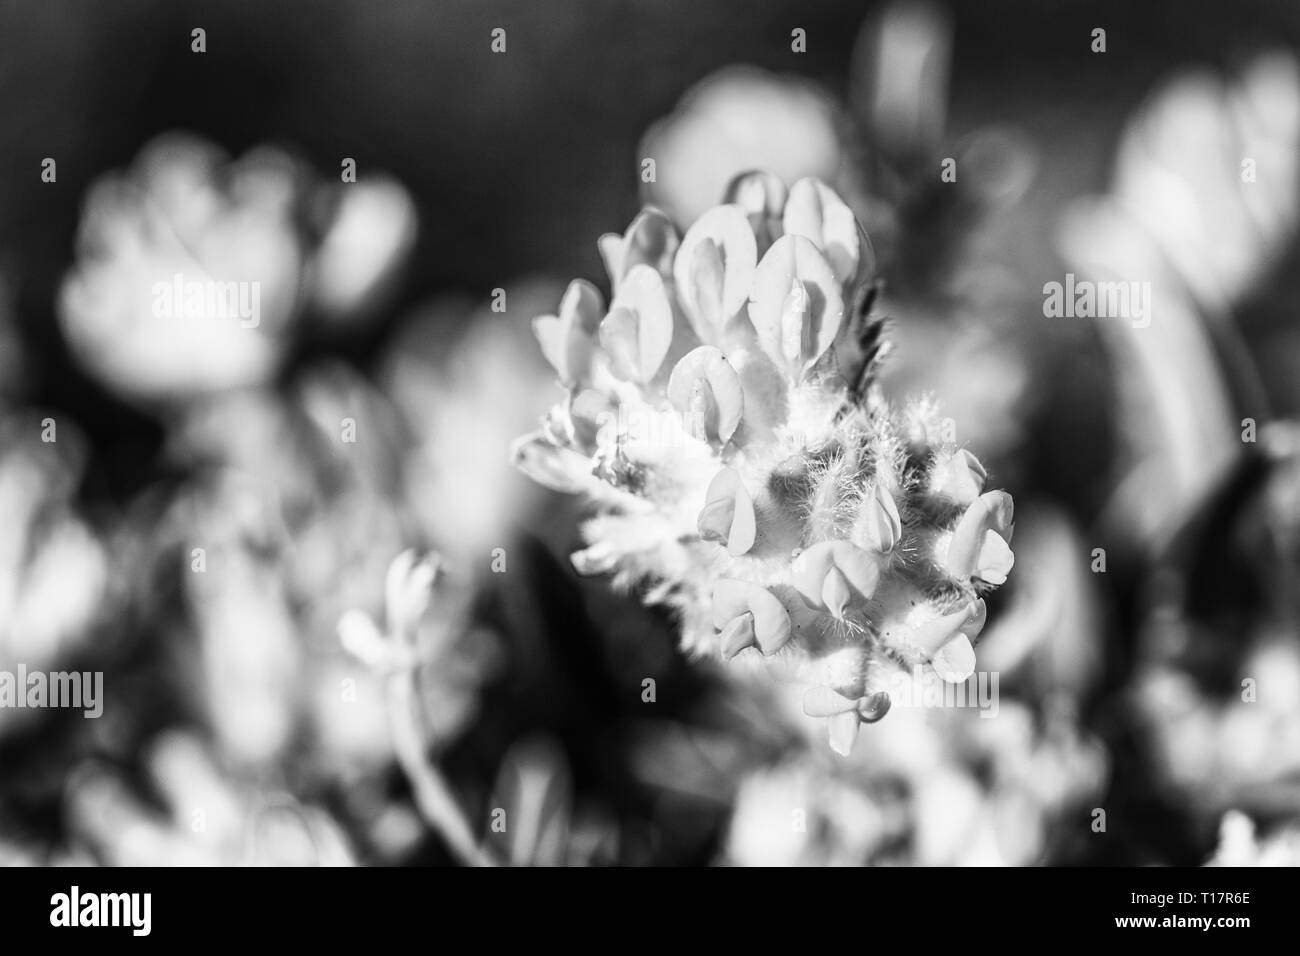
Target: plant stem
{"x":433,"y":796}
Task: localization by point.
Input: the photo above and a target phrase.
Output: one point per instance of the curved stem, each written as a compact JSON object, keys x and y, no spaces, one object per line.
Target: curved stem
{"x":433,"y":796}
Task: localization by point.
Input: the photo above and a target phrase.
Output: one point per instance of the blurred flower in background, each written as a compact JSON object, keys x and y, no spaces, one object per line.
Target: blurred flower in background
{"x":1203,"y":207}
{"x":1240,"y":845}
{"x":737,"y":119}
{"x":205,"y":819}
{"x":941,"y":788}
{"x":53,"y":564}
{"x":1203,"y":204}
{"x":467,"y":380}
{"x":161,"y":241}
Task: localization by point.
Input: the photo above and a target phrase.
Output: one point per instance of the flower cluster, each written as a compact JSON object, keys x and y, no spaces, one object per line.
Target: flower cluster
{"x":723,"y":418}
{"x":194,"y":270}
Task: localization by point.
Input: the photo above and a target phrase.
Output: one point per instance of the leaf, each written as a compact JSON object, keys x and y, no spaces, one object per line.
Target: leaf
{"x":714,"y":269}
{"x":796,"y":306}
{"x":534,"y":787}
{"x":706,"y":390}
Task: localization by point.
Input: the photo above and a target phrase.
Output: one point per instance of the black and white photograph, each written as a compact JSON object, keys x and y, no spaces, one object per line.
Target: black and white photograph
{"x":650,"y":434}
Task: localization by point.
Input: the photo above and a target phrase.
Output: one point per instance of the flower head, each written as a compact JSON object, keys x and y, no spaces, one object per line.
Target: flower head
{"x":723,"y":418}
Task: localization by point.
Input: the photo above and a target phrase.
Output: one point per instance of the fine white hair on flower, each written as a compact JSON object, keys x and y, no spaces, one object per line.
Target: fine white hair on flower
{"x":722,"y":418}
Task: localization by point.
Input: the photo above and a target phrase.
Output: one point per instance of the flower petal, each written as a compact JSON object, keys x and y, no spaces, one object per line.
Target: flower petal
{"x":770,"y":622}
{"x":815,"y":211}
{"x":975,"y":622}
{"x":874,"y":707}
{"x":878,"y":527}
{"x":991,"y":511}
{"x":737,"y":635}
{"x":939,"y":630}
{"x":621,"y":340}
{"x":638,"y":330}
{"x":728,"y":513}
{"x":958,"y":476}
{"x":704,"y":375}
{"x":856,"y":568}
{"x":762,"y":196}
{"x":730,"y":600}
{"x":796,"y":306}
{"x":560,"y":469}
{"x":766,"y":622}
{"x":408,"y":590}
{"x":361,"y":638}
{"x":820,"y":701}
{"x":842,"y":731}
{"x":772,"y":627}
{"x":611,"y":247}
{"x":836,"y":593}
{"x":714,"y":269}
{"x":568,"y":340}
{"x":955,"y":661}
{"x":599,"y":558}
{"x":995,"y":559}
{"x":650,"y":240}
